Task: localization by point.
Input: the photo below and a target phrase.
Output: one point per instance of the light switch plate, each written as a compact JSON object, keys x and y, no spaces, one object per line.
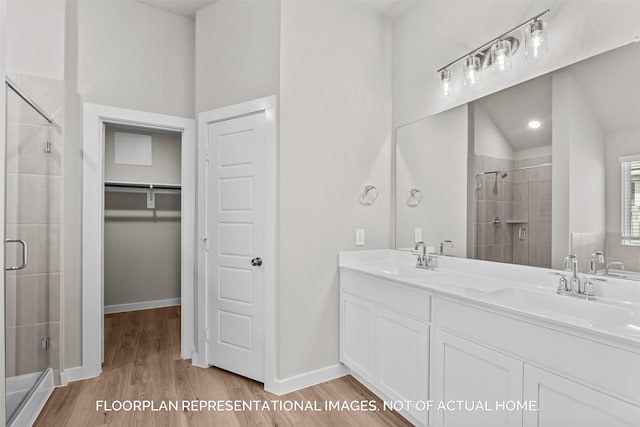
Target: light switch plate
{"x":359,"y":236}
{"x":417,"y":234}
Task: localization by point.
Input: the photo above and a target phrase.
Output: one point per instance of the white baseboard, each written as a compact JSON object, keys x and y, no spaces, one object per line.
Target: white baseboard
{"x":144,"y":305}
{"x":75,"y":374}
{"x":307,"y":379}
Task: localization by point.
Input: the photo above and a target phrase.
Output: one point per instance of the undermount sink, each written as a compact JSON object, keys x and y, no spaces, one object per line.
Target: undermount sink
{"x":574,"y":310}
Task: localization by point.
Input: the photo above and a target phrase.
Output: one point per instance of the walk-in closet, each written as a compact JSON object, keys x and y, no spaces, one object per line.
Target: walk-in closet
{"x":142,"y":218}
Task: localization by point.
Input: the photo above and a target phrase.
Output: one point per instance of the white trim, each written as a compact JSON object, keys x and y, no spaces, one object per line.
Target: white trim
{"x":632,"y":158}
{"x":142,"y":305}
{"x":308,"y":379}
{"x":269,"y":106}
{"x":73,"y":374}
{"x":95,"y":118}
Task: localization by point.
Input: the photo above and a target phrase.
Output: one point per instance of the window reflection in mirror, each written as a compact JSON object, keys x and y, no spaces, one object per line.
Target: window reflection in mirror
{"x":630,"y":168}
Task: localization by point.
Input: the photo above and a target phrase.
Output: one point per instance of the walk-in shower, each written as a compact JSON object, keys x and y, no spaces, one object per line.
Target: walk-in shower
{"x":32,"y":263}
{"x":513,"y":212}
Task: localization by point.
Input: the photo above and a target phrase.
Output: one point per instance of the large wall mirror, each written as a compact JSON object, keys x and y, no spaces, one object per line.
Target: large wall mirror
{"x":533,"y":173}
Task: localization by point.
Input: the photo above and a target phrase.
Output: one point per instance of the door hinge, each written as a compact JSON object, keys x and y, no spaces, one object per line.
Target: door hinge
{"x":206,"y":334}
{"x":45,"y":343}
{"x":205,"y":240}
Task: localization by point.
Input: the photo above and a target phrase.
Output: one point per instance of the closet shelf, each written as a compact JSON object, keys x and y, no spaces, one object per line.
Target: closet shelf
{"x":151,"y":189}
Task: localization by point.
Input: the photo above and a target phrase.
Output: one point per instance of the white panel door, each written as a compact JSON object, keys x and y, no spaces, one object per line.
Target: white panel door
{"x":467,"y":372}
{"x":236,"y":243}
{"x":561,"y":402}
{"x":402,"y":356}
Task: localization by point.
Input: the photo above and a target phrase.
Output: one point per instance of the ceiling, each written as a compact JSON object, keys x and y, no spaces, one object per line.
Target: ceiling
{"x":188,"y":8}
{"x":513,"y":108}
{"x":185,"y":8}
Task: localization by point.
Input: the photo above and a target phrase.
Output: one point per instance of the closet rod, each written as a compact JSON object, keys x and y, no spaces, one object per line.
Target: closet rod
{"x":142,"y":185}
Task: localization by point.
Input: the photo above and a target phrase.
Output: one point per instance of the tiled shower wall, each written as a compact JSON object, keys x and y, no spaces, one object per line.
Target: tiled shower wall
{"x":494,"y":196}
{"x":33,"y":214}
{"x":520,"y":200}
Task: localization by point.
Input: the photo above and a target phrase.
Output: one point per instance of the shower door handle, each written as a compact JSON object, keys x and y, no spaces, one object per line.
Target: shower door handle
{"x":25,"y":254}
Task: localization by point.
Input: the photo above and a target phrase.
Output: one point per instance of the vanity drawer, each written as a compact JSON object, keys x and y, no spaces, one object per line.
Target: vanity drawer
{"x":613,"y":370}
{"x":394,"y":296}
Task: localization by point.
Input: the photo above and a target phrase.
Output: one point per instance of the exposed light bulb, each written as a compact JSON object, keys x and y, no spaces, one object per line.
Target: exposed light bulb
{"x":534,"y":124}
{"x":471,"y":70}
{"x":446,"y":87}
{"x":536,"y":39}
{"x":501,"y":56}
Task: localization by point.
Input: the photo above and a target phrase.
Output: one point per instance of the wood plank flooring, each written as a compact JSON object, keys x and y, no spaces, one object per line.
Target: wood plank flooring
{"x":142,"y":362}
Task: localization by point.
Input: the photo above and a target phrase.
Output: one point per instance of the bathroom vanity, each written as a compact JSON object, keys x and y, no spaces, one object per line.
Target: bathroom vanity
{"x":494,"y":343}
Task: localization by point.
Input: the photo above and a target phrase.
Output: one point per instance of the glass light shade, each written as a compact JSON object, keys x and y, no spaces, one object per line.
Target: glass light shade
{"x":501,"y":56}
{"x":471,"y":70}
{"x":536,"y":39}
{"x":446,"y":87}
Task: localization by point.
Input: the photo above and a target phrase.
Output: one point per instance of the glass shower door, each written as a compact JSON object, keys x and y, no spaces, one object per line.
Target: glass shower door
{"x":32,"y":273}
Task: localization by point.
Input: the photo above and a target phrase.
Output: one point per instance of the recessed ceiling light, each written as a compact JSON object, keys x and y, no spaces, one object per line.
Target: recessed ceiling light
{"x":534,"y":124}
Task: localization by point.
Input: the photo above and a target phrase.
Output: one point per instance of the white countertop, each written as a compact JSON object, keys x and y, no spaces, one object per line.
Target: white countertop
{"x":522,"y":290}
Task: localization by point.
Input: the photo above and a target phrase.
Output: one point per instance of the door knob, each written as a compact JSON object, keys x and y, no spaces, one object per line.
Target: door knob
{"x":256,"y":262}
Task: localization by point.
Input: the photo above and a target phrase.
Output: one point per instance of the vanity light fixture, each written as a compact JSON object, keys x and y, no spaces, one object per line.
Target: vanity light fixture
{"x":497,"y":53}
{"x":446,"y":89}
{"x":501,"y":56}
{"x":535,"y":39}
{"x":471,"y":70}
{"x":534,"y":124}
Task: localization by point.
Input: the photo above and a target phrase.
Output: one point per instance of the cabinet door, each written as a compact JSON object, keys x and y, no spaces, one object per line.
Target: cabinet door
{"x":478,"y":378}
{"x":402,"y":360}
{"x":357,"y":335}
{"x":562,"y":402}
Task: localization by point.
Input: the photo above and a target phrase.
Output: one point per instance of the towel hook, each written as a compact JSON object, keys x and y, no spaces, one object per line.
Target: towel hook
{"x":369,"y":195}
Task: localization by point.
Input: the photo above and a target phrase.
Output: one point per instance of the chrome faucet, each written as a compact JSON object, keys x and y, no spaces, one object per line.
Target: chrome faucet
{"x":421,"y":258}
{"x":442,"y":245}
{"x":571,"y":262}
{"x":614,"y":264}
{"x":597,"y":256}
{"x":575,"y":286}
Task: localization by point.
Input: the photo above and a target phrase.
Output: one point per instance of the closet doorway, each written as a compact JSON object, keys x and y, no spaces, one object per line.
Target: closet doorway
{"x":138,"y":222}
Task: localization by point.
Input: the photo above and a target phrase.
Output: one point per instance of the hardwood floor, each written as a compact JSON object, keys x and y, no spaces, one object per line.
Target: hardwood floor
{"x":142,"y":362}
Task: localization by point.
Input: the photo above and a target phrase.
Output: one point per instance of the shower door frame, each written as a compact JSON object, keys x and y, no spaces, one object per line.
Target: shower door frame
{"x":96,"y":117}
{"x":3,"y":171}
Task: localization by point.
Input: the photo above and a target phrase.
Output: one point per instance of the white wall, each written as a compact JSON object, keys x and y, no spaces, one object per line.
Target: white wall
{"x":579,"y":165}
{"x":430,"y":34}
{"x":237,"y":52}
{"x":488,"y":140}
{"x":35,"y":38}
{"x":440,"y":172}
{"x":122,"y":54}
{"x":335,"y":138}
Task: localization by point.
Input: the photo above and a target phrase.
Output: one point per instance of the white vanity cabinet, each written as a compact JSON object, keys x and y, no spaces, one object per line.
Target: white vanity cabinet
{"x":562,"y":402}
{"x":572,"y":381}
{"x":384,"y":339}
{"x":480,"y":377}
